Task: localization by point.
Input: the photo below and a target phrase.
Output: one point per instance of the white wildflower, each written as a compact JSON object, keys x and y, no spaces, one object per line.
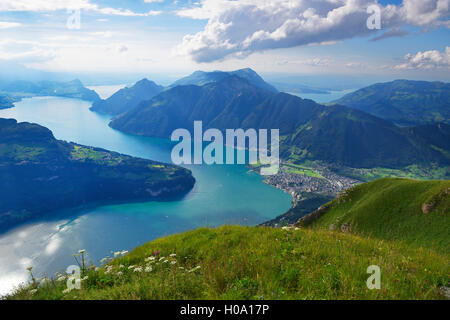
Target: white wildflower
{"x":138,"y":269}
{"x":148,"y":269}
{"x":44,"y":282}
{"x":116,"y":254}
{"x":173,"y":262}
{"x":119,"y":273}
{"x":124,"y":252}
{"x":66,"y":291}
{"x":131,"y":267}
{"x":173,"y":255}
{"x":33,"y":291}
{"x":194,"y":269}
{"x":81,"y":251}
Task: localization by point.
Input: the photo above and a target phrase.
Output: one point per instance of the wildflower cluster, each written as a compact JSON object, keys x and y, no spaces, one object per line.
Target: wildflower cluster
{"x":112,"y":272}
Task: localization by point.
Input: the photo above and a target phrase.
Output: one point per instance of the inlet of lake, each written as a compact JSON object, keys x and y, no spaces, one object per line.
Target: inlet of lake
{"x":223,"y":194}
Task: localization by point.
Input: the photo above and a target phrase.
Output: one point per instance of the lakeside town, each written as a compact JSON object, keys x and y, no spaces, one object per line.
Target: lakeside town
{"x":319,"y":179}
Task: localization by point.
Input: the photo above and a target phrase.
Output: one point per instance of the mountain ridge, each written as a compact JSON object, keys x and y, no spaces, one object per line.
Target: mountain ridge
{"x":308,"y":130}
{"x":201,"y":78}
{"x":71,"y":89}
{"x":127,"y":98}
{"x":405,"y":102}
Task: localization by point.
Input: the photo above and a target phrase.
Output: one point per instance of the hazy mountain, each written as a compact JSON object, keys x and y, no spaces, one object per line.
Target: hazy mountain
{"x":201,"y":78}
{"x":41,"y":174}
{"x":127,"y":98}
{"x":404,"y":102}
{"x":6,"y":102}
{"x":71,"y":89}
{"x":309,"y":130}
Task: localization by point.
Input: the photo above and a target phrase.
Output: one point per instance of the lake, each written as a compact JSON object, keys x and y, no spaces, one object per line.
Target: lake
{"x":223,"y":194}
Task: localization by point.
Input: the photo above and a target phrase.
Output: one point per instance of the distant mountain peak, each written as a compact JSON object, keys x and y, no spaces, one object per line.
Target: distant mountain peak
{"x":128,"y":98}
{"x":201,"y":78}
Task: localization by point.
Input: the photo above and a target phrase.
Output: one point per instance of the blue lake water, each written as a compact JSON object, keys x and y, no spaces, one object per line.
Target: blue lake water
{"x":323,"y":98}
{"x":224,"y":194}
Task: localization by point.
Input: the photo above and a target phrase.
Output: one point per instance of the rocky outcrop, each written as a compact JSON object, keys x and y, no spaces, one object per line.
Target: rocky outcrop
{"x":427,"y":207}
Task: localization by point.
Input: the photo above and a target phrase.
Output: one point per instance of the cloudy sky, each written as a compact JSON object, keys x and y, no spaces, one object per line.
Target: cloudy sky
{"x":292,"y":36}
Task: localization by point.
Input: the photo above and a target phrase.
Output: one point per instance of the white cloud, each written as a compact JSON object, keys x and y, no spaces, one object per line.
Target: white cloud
{"x":24,"y":51}
{"x":239,"y":28}
{"x":55,"y":5}
{"x":424,"y":12}
{"x":8,"y":25}
{"x":426,"y":60}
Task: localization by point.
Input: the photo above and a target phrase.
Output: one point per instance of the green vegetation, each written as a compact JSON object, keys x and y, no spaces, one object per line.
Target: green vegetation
{"x":302,"y":170}
{"x":410,"y":172}
{"x":80,"y":153}
{"x":392,"y":209}
{"x":403,"y":101}
{"x":258,"y":263}
{"x":20,"y":152}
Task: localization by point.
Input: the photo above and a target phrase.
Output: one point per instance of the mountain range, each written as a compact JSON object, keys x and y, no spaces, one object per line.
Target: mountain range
{"x":404,"y":102}
{"x":309,"y":131}
{"x":201,"y":78}
{"x":72,"y":89}
{"x":127,"y":98}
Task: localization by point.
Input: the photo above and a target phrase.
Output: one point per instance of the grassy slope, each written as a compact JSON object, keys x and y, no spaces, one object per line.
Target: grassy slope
{"x":265,"y":263}
{"x":391,"y":209}
{"x":305,"y":263}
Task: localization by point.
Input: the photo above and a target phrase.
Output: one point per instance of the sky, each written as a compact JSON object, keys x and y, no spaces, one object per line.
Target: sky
{"x":176,"y":37}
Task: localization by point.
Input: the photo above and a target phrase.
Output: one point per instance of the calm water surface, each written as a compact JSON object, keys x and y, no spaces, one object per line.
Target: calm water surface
{"x":226,"y":194}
